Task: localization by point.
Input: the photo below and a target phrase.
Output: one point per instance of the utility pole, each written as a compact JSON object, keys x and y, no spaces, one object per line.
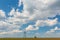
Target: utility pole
{"x":24,"y":34}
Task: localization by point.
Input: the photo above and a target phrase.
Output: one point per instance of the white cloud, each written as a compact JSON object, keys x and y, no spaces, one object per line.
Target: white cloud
{"x":17,"y":17}
{"x":25,"y":14}
{"x":2,"y":14}
{"x":33,"y":10}
{"x":10,"y":32}
{"x":9,"y":26}
{"x":3,"y":23}
{"x":48,"y":1}
{"x":13,"y":22}
{"x":12,"y":12}
{"x":47,"y":22}
{"x":39,"y":9}
{"x":19,"y":3}
{"x":30,"y":27}
{"x":5,"y":26}
{"x":43,"y":23}
{"x":52,"y":30}
{"x":16,"y":13}
{"x":16,"y":21}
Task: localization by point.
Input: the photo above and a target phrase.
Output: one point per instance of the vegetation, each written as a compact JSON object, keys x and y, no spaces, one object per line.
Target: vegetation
{"x":29,"y":38}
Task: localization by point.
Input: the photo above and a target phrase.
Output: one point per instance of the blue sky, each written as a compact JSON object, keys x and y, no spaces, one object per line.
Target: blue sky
{"x":39,"y":18}
{"x":9,"y":4}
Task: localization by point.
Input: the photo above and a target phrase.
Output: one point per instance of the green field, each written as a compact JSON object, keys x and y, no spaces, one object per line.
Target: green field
{"x":29,"y":38}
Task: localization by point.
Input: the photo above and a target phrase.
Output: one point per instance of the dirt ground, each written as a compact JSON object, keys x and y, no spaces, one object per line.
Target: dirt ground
{"x":29,"y":38}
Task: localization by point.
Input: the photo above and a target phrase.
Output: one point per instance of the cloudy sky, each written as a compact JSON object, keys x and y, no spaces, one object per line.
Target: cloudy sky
{"x":39,"y":18}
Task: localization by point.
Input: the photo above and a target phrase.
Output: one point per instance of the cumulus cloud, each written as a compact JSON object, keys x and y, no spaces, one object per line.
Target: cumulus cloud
{"x":42,"y":23}
{"x":10,"y":32}
{"x":53,"y":30}
{"x":31,"y":27}
{"x":16,"y":13}
{"x":5,"y":26}
{"x":13,"y":22}
{"x":10,"y":26}
{"x":37,"y":10}
{"x":2,"y":14}
{"x":40,"y":9}
{"x":47,"y":22}
{"x":19,"y":3}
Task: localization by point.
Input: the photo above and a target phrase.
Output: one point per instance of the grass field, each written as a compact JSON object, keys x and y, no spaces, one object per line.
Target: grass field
{"x":29,"y":38}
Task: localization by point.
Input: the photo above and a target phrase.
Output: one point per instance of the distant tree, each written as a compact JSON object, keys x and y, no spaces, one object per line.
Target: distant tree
{"x":35,"y":37}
